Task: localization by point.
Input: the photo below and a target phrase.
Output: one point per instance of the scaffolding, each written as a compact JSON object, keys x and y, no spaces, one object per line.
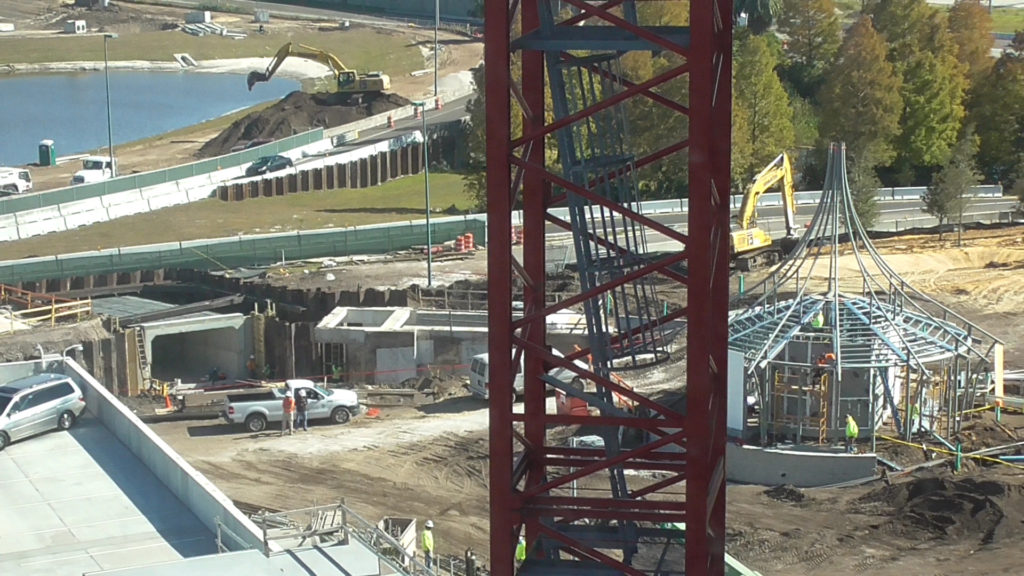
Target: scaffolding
{"x":897,"y":352}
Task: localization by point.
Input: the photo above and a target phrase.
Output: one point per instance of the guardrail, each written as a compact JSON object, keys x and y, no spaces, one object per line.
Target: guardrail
{"x":775,"y":199}
{"x":53,"y":198}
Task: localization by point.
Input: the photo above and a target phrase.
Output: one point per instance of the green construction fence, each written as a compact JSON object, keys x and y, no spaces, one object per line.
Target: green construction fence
{"x":241,"y":251}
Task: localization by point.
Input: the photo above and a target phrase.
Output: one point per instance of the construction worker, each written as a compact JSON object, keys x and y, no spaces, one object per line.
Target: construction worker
{"x":301,"y":407}
{"x":428,"y":544}
{"x":288,"y":414}
{"x":851,"y":433}
{"x":251,"y":366}
{"x":818,"y":321}
{"x":521,"y":552}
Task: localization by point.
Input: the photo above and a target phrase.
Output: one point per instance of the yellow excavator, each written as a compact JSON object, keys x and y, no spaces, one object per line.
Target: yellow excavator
{"x":348,"y":81}
{"x":752,"y":247}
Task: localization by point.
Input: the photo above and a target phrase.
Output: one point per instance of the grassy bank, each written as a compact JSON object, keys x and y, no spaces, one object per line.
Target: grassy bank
{"x":397,"y":200}
{"x":360,"y":49}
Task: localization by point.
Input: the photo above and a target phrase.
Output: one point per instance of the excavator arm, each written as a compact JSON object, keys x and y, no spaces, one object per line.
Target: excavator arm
{"x":780,"y":169}
{"x":342,"y":74}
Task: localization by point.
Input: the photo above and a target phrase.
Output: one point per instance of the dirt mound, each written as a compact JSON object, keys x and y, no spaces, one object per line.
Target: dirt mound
{"x":968,"y":509}
{"x":785,"y":493}
{"x":299,"y":112}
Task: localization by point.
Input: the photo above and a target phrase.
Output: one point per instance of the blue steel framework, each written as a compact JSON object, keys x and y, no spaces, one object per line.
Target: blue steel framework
{"x":602,"y":532}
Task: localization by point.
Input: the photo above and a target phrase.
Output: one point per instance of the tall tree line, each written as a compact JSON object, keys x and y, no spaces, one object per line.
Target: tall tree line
{"x":911,"y":88}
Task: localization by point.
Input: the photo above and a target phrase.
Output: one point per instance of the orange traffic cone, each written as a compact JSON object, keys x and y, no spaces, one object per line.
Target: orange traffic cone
{"x":167,"y":402}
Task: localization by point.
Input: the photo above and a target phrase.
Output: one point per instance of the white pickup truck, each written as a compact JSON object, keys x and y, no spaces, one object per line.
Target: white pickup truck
{"x":95,"y":169}
{"x":479,"y":376}
{"x":257,"y":409}
{"x":14,"y":181}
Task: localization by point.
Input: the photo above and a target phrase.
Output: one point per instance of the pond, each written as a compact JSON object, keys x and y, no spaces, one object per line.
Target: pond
{"x":71,"y":109}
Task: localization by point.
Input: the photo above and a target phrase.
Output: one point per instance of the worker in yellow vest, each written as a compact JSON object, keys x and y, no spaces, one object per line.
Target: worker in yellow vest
{"x":428,"y":544}
{"x":852,"y":431}
{"x":520,"y":552}
{"x":818,"y":321}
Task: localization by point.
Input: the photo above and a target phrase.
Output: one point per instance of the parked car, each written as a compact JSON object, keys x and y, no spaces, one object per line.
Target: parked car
{"x":267,"y":164}
{"x":257,"y":409}
{"x":36,"y":404}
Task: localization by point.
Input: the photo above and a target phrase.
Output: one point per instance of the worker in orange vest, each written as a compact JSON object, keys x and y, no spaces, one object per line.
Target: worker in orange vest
{"x":288,"y":414}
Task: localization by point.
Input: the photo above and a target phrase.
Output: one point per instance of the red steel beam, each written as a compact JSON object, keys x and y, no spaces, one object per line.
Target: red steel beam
{"x":504,"y":515}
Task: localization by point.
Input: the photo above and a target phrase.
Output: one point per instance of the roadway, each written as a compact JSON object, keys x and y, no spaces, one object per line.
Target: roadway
{"x":895,"y":215}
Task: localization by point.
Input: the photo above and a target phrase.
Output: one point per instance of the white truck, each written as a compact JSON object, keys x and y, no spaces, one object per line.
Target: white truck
{"x":14,"y":181}
{"x":478,"y":375}
{"x":95,"y":169}
{"x":257,"y":409}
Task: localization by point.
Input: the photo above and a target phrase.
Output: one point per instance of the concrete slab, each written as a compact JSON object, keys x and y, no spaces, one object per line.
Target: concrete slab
{"x":79,"y":501}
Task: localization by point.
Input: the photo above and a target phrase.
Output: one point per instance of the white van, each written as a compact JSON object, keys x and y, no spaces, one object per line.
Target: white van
{"x":478,"y":375}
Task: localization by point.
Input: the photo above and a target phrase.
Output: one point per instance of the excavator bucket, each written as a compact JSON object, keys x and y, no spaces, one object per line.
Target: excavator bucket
{"x":254,"y":77}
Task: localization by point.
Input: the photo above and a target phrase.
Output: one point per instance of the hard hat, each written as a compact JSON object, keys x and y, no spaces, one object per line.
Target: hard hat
{"x":288,"y":393}
{"x":429,"y":524}
{"x":252,"y":356}
{"x":302,"y":392}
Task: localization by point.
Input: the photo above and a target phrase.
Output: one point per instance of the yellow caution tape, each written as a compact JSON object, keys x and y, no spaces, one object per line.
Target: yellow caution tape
{"x":951,"y":453}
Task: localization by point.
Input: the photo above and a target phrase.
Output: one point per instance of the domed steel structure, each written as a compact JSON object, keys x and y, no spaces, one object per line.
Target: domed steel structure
{"x":825,"y":338}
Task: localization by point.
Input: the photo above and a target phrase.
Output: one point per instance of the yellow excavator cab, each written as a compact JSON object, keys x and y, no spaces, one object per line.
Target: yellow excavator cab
{"x":750,"y":245}
{"x":347,"y":81}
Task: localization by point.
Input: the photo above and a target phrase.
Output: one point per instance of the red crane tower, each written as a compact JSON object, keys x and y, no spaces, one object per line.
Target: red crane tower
{"x":658,"y":464}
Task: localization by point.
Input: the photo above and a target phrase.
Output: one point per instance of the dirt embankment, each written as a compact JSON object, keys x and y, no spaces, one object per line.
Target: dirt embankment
{"x":298,"y":112}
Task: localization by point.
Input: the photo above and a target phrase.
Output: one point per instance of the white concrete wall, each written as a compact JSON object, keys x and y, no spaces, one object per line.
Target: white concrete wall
{"x":204,"y":499}
{"x":771,"y":467}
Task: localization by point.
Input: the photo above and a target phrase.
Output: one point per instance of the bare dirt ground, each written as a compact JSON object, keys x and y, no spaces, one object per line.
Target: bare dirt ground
{"x":432,"y":462}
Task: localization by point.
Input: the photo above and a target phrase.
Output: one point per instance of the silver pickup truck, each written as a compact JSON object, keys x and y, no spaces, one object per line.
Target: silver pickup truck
{"x":257,"y":409}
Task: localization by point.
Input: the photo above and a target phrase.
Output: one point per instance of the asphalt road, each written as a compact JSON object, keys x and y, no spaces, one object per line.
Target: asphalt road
{"x":895,"y":215}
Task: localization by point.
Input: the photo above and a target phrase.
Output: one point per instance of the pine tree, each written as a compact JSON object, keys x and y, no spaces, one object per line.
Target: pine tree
{"x":999,"y":116}
{"x":933,"y":83}
{"x":947,"y":198}
{"x":860,"y":102}
{"x":864,"y":187}
{"x":766,"y":108}
{"x":814,"y":36}
{"x":970,"y":25}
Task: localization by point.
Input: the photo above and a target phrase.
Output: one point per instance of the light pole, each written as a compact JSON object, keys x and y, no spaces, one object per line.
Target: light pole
{"x":426,"y":190}
{"x":437,"y":24}
{"x":106,"y":81}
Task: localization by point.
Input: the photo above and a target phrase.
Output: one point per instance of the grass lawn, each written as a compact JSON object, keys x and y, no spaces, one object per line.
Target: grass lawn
{"x":397,"y":200}
{"x":360,"y":49}
{"x":1007,"y":20}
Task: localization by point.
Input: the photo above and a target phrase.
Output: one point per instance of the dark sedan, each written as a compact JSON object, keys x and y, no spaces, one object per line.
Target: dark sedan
{"x":268,"y":164}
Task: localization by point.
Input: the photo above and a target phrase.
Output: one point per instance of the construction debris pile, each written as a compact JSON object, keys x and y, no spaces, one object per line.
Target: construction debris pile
{"x":299,"y":112}
{"x":987,"y":510}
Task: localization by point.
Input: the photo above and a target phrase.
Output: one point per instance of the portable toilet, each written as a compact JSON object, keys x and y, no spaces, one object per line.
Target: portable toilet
{"x":75,"y":27}
{"x":47,"y":153}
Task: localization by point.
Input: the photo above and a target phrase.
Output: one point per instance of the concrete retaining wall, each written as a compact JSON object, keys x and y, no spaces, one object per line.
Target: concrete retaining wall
{"x":204,"y":499}
{"x":771,"y":467}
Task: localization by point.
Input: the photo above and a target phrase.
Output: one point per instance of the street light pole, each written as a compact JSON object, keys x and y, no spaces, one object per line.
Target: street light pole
{"x":426,"y":188}
{"x":437,"y":24}
{"x":106,"y":81}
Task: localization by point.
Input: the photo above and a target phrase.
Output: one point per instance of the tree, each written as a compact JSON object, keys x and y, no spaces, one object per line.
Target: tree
{"x":933,"y":84}
{"x":947,"y":197}
{"x":970,"y":26}
{"x":864,"y":187}
{"x":999,"y":116}
{"x":765,"y":103}
{"x":860,"y":101}
{"x":761,"y":14}
{"x":814,"y":33}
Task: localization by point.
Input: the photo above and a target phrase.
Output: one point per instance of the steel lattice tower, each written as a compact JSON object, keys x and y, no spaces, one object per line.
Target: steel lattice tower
{"x":575,"y":46}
